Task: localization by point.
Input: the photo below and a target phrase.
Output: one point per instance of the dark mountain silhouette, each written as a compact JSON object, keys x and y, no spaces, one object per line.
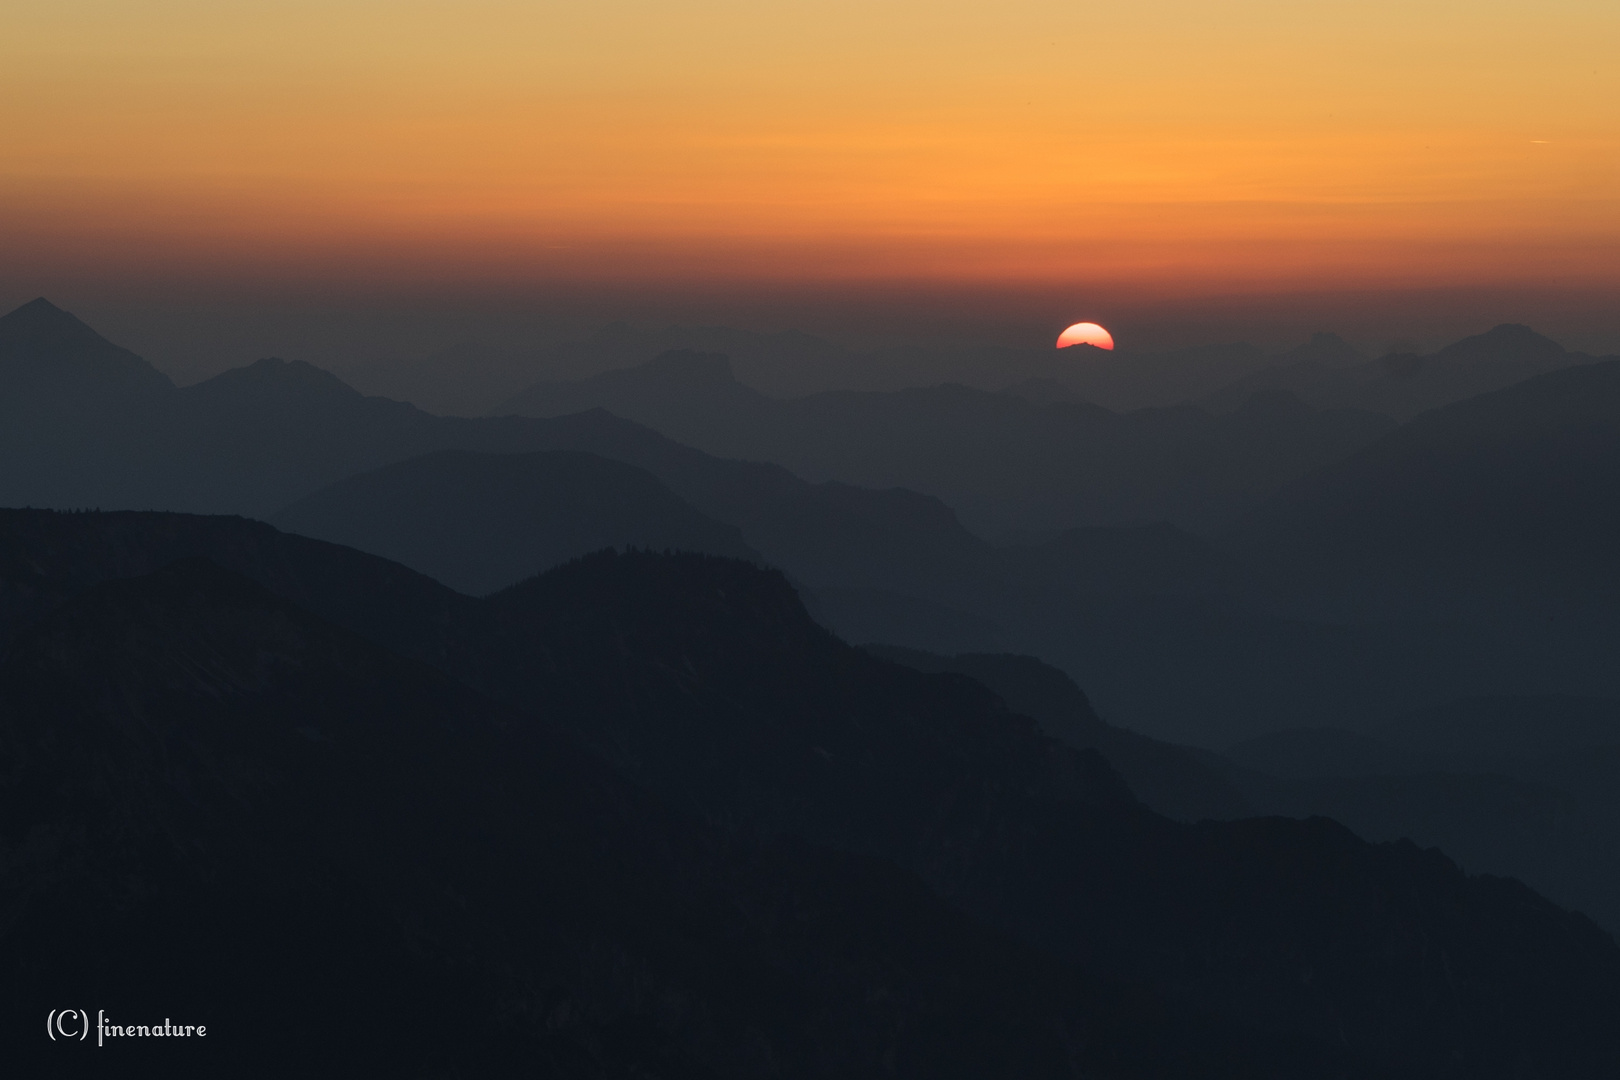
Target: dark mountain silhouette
{"x":1503,"y":497}
{"x":253,"y":439}
{"x":1136,"y":608}
{"x":703,"y":682}
{"x":1491,"y":823}
{"x":1167,"y":632}
{"x":473,"y":378}
{"x":1005,"y":462}
{"x":1124,"y":380}
{"x":1176,"y":781}
{"x":481,"y":522}
{"x":70,"y":402}
{"x":224,"y":809}
{"x":1141,"y":617}
{"x":49,"y":358}
{"x":1402,"y":385}
{"x":696,"y":386}
{"x":1524,"y":786}
{"x":256,"y":439}
{"x":1136,"y":618}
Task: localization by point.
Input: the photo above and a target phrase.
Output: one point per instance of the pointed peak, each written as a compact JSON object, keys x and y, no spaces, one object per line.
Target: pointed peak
{"x":42,"y":338}
{"x":276,"y":376}
{"x":37,"y":306}
{"x":1507,"y":340}
{"x":41,"y":319}
{"x":274,"y":367}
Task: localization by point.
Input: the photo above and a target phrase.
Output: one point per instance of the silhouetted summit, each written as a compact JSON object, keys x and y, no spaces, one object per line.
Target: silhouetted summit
{"x":481,"y":522}
{"x":43,"y":323}
{"x":1508,"y":343}
{"x":273,"y":379}
{"x":73,"y":408}
{"x":49,"y":355}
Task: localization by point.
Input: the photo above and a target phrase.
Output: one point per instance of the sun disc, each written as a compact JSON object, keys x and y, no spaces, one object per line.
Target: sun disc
{"x":1085,"y":333}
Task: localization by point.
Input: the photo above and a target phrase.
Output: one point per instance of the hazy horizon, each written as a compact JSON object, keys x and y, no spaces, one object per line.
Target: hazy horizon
{"x":193,"y":333}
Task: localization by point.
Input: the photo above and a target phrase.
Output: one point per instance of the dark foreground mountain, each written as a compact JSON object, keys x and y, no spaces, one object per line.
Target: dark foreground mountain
{"x":1176,"y":781}
{"x":1525,"y":786}
{"x":220,"y":809}
{"x":702,"y":683}
{"x":1520,"y":787}
{"x":479,"y":522}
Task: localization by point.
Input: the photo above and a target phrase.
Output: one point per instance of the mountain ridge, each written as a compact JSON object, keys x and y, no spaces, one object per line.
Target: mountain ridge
{"x":737,"y":708}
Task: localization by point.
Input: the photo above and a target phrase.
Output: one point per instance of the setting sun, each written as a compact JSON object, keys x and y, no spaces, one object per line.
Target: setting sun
{"x":1085,"y":333}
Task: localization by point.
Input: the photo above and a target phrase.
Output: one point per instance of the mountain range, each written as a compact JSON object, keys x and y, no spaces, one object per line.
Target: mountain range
{"x":641,"y":816}
{"x":1501,"y":497}
{"x":1196,"y":638}
{"x":1404,"y":384}
{"x":1413,"y":638}
{"x":1008,"y":464}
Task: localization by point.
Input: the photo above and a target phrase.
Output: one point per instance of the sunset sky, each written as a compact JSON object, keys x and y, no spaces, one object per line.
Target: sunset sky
{"x":1253,"y":144}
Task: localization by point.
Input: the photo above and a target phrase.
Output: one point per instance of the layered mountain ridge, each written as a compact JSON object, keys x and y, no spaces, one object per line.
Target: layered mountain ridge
{"x":702,"y":684}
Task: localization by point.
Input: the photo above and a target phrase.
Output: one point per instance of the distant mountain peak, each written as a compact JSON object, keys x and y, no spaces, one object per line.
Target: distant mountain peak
{"x":298,"y":378}
{"x":1506,"y":341}
{"x":42,"y":321}
{"x":38,"y":305}
{"x":273,"y":368}
{"x":1325,"y":348}
{"x":41,"y":345}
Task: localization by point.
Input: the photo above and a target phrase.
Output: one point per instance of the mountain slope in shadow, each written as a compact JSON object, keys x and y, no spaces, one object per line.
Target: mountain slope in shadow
{"x":703,"y":682}
{"x":1404,"y":385}
{"x":1500,"y":498}
{"x":1006,"y":462}
{"x":481,"y":522}
{"x":70,"y":403}
{"x":1176,"y":781}
{"x":256,"y":439}
{"x":889,"y":564}
{"x":1522,"y":786}
{"x":224,"y":809}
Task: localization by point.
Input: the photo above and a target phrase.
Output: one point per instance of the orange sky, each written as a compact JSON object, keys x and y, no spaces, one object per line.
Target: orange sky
{"x":1259,"y":143}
